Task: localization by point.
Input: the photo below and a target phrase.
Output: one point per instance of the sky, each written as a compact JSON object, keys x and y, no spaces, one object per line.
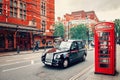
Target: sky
{"x":108,"y":10}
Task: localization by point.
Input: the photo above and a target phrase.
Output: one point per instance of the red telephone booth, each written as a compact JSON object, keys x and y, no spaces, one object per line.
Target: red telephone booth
{"x":105,"y":48}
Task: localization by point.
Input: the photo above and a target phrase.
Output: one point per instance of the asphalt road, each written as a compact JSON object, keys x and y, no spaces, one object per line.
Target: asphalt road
{"x":30,"y":67}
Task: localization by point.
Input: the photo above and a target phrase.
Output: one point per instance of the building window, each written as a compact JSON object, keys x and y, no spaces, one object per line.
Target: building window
{"x":1,"y":0}
{"x":2,"y":40}
{"x":15,"y":12}
{"x":21,"y":5}
{"x":15,"y":4}
{"x":0,"y":8}
{"x":22,"y":10}
{"x":43,"y":25}
{"x":10,"y":40}
{"x":43,"y":8}
{"x":0,"y":11}
{"x":24,"y":6}
{"x":18,"y":9}
{"x":11,"y":11}
{"x":11,"y":2}
{"x":24,"y":14}
{"x":13,"y":8}
{"x":33,"y":22}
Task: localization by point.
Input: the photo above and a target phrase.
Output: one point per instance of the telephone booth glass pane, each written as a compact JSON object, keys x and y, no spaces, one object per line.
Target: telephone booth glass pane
{"x":104,"y":52}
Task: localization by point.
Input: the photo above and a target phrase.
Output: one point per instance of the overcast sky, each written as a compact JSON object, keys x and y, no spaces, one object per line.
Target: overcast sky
{"x":104,"y":9}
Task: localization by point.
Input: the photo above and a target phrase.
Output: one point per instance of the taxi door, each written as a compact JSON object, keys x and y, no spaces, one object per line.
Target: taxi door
{"x":74,"y":52}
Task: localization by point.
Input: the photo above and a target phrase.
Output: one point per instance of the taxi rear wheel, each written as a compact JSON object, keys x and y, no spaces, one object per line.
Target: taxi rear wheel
{"x":84,"y":58}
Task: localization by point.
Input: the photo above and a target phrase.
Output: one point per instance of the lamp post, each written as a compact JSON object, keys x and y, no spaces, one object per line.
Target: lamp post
{"x":44,"y":41}
{"x":88,"y":37}
{"x":68,"y":29}
{"x":52,"y":29}
{"x":17,"y":35}
{"x":88,"y":22}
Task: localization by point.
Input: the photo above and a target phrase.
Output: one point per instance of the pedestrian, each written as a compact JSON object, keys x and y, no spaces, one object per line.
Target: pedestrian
{"x":36,"y":47}
{"x":33,"y":47}
{"x":119,"y":41}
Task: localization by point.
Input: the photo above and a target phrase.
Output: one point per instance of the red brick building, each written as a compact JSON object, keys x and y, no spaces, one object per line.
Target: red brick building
{"x":79,"y":17}
{"x":24,"y":22}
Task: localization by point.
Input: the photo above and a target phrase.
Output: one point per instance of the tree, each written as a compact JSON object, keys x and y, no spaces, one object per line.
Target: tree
{"x":79,"y":32}
{"x":59,"y":30}
{"x":117,"y":27}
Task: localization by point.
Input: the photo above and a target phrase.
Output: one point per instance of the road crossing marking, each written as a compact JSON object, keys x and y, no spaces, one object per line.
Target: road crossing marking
{"x":81,"y":73}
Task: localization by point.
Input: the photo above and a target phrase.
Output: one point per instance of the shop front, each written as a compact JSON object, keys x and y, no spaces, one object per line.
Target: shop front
{"x":12,"y":37}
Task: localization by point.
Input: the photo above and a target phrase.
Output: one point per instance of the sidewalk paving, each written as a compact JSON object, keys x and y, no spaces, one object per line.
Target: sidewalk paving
{"x":21,"y":52}
{"x":89,"y":74}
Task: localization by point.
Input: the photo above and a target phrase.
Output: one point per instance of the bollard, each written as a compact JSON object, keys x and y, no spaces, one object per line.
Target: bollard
{"x":18,"y":49}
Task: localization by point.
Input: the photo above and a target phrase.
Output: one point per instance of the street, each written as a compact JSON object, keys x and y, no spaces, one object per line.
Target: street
{"x":30,"y":67}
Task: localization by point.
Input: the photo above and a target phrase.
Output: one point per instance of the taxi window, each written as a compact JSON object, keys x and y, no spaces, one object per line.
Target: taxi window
{"x":80,"y":44}
{"x":74,"y":46}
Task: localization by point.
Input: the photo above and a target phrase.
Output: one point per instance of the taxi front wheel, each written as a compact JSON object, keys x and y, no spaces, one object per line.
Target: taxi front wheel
{"x":65,"y":63}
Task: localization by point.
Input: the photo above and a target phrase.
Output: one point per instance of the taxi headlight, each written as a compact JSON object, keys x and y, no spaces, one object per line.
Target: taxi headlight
{"x":57,"y":56}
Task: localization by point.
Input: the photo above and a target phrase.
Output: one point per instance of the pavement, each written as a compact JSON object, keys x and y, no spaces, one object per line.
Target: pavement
{"x":87,"y":74}
{"x":2,"y":54}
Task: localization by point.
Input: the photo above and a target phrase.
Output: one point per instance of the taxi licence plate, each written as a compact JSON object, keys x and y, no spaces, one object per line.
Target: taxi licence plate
{"x":48,"y":63}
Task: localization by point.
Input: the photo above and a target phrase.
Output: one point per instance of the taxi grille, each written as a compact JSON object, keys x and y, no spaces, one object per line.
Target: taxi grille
{"x":49,"y":57}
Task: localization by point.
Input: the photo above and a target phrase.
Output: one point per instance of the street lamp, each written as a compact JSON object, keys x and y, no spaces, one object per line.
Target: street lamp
{"x":68,"y":29}
{"x":44,"y":41}
{"x":88,"y":37}
{"x":17,"y":35}
{"x":88,"y":22}
{"x":52,"y":29}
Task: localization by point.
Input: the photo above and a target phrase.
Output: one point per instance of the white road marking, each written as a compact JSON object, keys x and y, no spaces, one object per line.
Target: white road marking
{"x":20,"y":59}
{"x":13,"y":60}
{"x":14,"y":68}
{"x":32,"y":61}
{"x":81,"y":73}
{"x":11,"y":69}
{"x":13,"y":63}
{"x":31,"y":57}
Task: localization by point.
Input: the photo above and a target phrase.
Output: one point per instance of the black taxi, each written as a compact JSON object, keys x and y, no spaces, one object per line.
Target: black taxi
{"x":68,"y":52}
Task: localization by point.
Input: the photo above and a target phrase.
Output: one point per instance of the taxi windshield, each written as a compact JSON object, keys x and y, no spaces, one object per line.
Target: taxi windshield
{"x":65,"y":45}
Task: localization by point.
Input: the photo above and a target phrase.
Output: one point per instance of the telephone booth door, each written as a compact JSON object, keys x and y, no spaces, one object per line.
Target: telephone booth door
{"x":105,"y":48}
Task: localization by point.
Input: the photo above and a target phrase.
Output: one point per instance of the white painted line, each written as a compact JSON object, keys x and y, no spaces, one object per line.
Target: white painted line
{"x":13,"y":63}
{"x":16,"y":62}
{"x":32,"y":62}
{"x":81,"y":73}
{"x":11,"y":69}
{"x":13,"y":60}
{"x":20,"y":59}
{"x":14,"y":68}
{"x":31,"y":57}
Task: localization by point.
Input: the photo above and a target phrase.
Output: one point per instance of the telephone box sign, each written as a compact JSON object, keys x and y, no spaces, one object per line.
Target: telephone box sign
{"x":105,"y":48}
{"x":104,"y":25}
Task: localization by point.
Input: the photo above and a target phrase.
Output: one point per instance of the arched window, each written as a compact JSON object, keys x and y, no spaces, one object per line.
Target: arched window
{"x":43,"y":25}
